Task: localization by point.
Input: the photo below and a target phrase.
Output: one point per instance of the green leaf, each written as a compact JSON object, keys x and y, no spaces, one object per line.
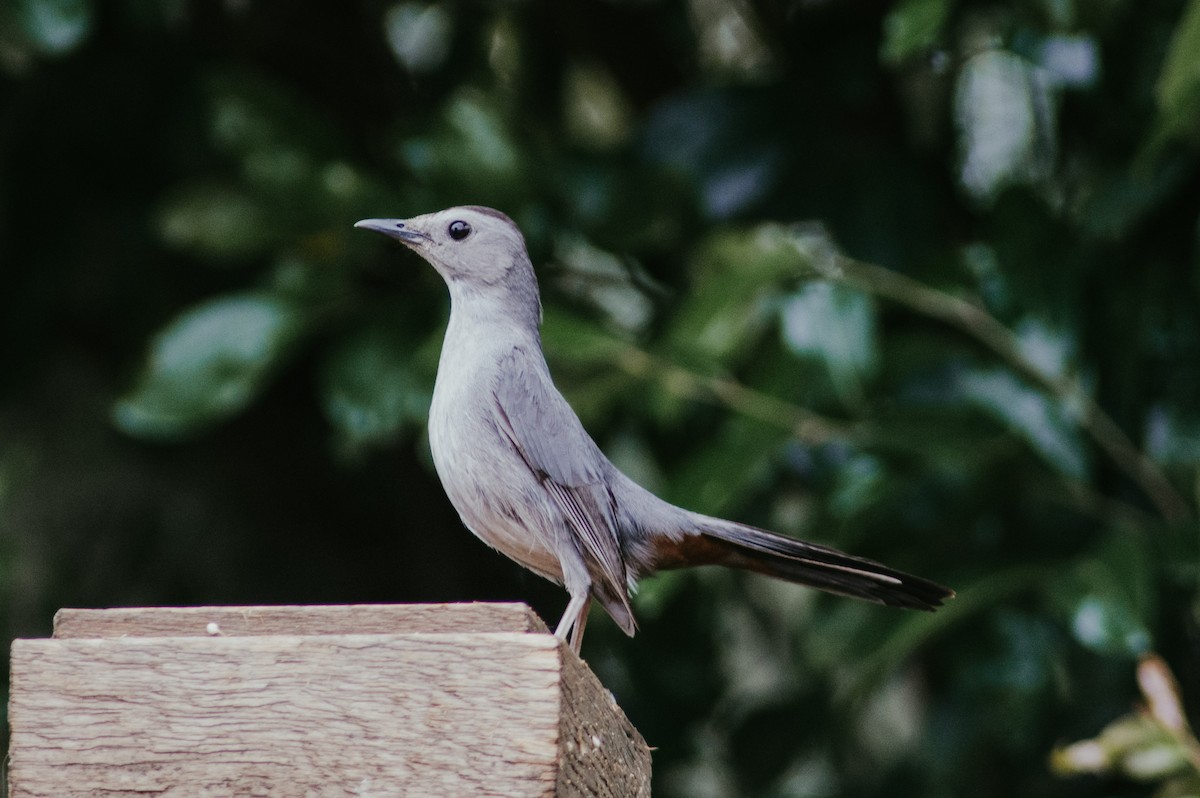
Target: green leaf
{"x":1113,"y":201}
{"x":473,"y":150}
{"x":584,"y":359}
{"x":835,"y":325}
{"x":1173,"y":436}
{"x":249,"y":115}
{"x":1109,"y":596}
{"x":859,"y":484}
{"x":1069,"y":61}
{"x":479,"y":127}
{"x":1006,"y":121}
{"x":419,"y":34}
{"x":1187,"y":786}
{"x":598,"y":115}
{"x":571,"y":338}
{"x":655,"y":595}
{"x":603,"y":280}
{"x":737,"y":286}
{"x":1107,"y":626}
{"x":881,"y":644}
{"x":1042,"y":422}
{"x":727,"y":142}
{"x":209,"y":364}
{"x":217,"y":222}
{"x":1050,"y":349}
{"x":1178,"y":88}
{"x":912,"y":28}
{"x":738,"y":461}
{"x":56,"y":26}
{"x":370,"y":390}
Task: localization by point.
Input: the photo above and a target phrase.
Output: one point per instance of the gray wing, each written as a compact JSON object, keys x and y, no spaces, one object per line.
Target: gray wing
{"x":550,"y":439}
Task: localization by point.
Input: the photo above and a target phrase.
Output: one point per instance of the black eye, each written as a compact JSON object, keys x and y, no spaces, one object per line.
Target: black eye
{"x":459,"y":230}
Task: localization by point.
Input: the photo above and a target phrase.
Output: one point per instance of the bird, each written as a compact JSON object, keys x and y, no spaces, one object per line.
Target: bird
{"x":528,"y":480}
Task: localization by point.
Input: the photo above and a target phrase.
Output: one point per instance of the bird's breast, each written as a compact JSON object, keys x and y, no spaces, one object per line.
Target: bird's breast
{"x":490,"y":486}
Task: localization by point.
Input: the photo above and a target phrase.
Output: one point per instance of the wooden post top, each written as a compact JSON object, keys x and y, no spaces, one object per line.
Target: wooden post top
{"x":345,"y":619}
{"x":379,"y":700}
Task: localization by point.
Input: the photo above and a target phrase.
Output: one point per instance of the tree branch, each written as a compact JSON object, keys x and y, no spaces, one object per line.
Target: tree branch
{"x":804,"y":424}
{"x":985,"y":328}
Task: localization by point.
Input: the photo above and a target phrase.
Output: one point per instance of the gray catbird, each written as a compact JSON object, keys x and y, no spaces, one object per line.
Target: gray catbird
{"x":528,"y":480}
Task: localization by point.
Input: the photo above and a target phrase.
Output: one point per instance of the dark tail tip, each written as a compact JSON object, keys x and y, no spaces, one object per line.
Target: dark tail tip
{"x":752,"y":549}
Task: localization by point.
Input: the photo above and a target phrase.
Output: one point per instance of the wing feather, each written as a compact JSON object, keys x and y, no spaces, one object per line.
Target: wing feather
{"x":552,"y":442}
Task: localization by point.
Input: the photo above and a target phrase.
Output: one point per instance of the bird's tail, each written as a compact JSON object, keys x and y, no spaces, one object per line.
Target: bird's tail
{"x":719,"y":542}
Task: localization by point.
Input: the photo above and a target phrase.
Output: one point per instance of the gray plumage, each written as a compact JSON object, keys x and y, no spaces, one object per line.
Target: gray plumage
{"x":528,"y":480}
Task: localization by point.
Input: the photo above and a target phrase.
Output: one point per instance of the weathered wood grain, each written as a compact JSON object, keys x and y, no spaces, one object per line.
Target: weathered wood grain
{"x":336,"y":715}
{"x":306,"y":620}
{"x":248,"y":712}
{"x":601,"y":753}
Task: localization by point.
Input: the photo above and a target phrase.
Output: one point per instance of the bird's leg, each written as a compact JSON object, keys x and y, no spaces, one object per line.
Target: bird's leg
{"x":580,"y":624}
{"x":576,"y":607}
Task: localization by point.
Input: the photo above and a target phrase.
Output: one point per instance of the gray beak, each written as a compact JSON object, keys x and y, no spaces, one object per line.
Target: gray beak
{"x":393,"y":228}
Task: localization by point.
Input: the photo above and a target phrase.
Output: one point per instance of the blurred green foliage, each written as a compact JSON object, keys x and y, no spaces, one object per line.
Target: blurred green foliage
{"x":918,"y":280}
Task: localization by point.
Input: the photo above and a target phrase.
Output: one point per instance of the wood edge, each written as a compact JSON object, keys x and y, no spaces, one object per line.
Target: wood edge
{"x":591,"y":724}
{"x":53,"y":674}
{"x":594,"y":734}
{"x":282,"y":619}
{"x":34,"y":645}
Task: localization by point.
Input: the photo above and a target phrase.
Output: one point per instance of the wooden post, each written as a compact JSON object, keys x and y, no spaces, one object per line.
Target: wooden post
{"x":368,"y":701}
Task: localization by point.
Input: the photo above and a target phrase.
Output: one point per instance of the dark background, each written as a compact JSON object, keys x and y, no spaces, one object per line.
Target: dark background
{"x":917,"y":280}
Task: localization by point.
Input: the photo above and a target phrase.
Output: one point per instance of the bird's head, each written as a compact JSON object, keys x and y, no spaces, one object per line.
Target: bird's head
{"x":468,"y":244}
